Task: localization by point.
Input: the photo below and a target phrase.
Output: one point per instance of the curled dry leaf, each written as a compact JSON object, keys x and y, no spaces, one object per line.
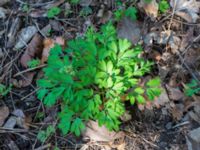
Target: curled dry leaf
{"x":4,"y":112}
{"x":186,"y":9}
{"x":48,"y":44}
{"x":34,"y":48}
{"x":150,"y":8}
{"x":101,"y":134}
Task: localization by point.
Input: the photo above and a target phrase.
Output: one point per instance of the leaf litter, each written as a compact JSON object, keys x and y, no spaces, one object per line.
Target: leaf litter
{"x":164,"y":45}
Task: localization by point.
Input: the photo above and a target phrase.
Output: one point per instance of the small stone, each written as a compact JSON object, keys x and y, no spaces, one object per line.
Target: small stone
{"x":193,"y":139}
{"x":10,"y":123}
{"x":168,"y":125}
{"x":18,"y":113}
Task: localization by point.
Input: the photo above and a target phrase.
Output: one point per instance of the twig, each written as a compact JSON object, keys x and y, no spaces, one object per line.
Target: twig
{"x":43,"y":147}
{"x":181,"y":124}
{"x":188,"y":68}
{"x":29,"y":69}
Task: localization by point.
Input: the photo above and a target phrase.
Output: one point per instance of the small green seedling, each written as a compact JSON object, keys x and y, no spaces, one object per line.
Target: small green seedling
{"x":131,"y":13}
{"x":192,"y":88}
{"x":33,"y":63}
{"x":163,"y":6}
{"x":4,"y":90}
{"x":43,"y":135}
{"x":54,"y":11}
{"x":25,"y":8}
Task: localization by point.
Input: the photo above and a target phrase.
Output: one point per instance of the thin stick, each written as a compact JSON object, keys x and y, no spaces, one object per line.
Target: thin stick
{"x":29,"y":69}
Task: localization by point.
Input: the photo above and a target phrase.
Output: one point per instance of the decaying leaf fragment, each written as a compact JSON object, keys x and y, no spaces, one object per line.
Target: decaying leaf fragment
{"x":34,"y":48}
{"x":150,"y":8}
{"x":96,"y":133}
{"x":186,"y":9}
{"x":48,"y":44}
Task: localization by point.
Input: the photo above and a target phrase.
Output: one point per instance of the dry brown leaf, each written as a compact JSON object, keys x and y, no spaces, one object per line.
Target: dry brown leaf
{"x":174,"y":93}
{"x":4,"y":112}
{"x":177,"y":111}
{"x":129,"y":30}
{"x":151,"y":8}
{"x":96,"y":133}
{"x":48,"y":44}
{"x":34,"y":48}
{"x":186,"y":9}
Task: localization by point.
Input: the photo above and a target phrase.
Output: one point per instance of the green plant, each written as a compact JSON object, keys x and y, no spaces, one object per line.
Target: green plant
{"x":130,"y":12}
{"x":192,"y":88}
{"x":4,"y":90}
{"x":163,"y":6}
{"x":33,"y":63}
{"x":52,"y":12}
{"x":43,"y":135}
{"x":25,"y":8}
{"x":74,"y":1}
{"x":93,"y":77}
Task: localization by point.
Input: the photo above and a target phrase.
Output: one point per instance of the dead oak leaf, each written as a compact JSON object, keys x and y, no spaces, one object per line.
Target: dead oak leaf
{"x":186,"y":9}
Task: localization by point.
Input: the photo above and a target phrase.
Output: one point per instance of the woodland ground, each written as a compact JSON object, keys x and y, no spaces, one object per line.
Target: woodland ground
{"x":170,"y":39}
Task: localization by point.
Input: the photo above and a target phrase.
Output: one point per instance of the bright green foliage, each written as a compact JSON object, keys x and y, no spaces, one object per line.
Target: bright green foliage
{"x":89,"y":78}
{"x":43,"y":135}
{"x":192,"y":88}
{"x":163,"y":6}
{"x":130,"y":12}
{"x":54,"y":11}
{"x":33,"y":63}
{"x":4,"y":90}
